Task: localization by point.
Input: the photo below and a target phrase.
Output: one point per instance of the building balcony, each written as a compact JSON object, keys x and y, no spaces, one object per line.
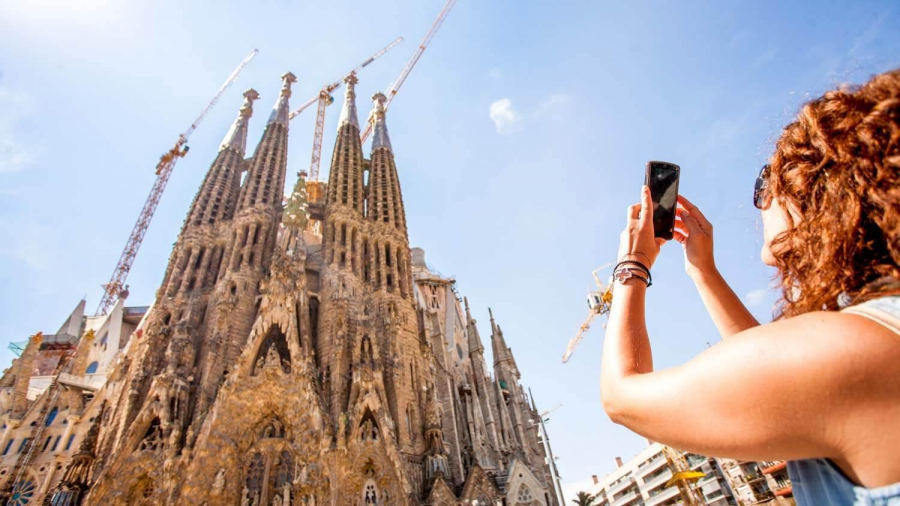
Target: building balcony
{"x":620,"y":486}
{"x":785,"y":491}
{"x":657,"y":480}
{"x":662,"y":497}
{"x":651,"y":466}
{"x":772,"y":467}
{"x":627,"y":498}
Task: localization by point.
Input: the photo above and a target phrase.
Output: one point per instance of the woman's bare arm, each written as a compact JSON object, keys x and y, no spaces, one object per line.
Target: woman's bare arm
{"x":809,"y":386}
{"x":727,"y":311}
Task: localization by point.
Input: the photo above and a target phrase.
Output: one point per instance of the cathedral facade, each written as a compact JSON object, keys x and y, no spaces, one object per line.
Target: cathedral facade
{"x":298,"y":352}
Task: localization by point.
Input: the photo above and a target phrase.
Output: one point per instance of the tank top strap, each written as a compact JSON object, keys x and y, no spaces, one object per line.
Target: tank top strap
{"x":884,"y":310}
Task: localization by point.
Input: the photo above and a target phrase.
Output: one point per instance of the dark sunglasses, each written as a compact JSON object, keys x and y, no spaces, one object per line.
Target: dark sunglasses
{"x":760,"y":195}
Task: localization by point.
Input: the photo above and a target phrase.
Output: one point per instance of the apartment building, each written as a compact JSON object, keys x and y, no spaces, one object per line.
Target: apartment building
{"x":759,"y":482}
{"x":642,"y":480}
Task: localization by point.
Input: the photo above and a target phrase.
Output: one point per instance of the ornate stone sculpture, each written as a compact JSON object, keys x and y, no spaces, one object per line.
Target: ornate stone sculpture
{"x":219,"y":483}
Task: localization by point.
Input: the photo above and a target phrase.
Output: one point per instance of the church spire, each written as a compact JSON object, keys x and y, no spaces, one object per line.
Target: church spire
{"x":217,"y":197}
{"x":498,"y":344}
{"x":348,"y":111}
{"x":381,"y":138}
{"x":346,"y":187}
{"x":385,"y":202}
{"x":282,"y":109}
{"x":264,"y":182}
{"x":236,"y":138}
{"x":475,"y":345}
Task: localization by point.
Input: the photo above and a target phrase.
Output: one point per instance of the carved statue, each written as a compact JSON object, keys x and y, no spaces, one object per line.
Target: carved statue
{"x":287,"y":494}
{"x":277,"y":501}
{"x":245,"y":497}
{"x":272,"y":358}
{"x":219,"y":483}
{"x":301,"y":475}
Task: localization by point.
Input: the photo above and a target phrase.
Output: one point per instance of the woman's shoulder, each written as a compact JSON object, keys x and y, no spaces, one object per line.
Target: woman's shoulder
{"x":835,"y":344}
{"x":884,"y":311}
{"x":869,"y":322}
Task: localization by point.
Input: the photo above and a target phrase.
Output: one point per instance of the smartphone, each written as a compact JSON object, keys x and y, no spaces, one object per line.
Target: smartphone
{"x":662,"y":178}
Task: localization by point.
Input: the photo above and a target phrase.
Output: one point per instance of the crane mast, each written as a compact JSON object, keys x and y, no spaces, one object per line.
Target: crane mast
{"x":116,"y":285}
{"x":395,"y":86}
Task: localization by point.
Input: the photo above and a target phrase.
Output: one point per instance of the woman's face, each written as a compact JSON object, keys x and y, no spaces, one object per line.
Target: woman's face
{"x":774,"y":223}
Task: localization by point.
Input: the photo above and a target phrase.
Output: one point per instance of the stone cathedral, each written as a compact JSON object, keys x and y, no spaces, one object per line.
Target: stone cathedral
{"x":298,"y":352}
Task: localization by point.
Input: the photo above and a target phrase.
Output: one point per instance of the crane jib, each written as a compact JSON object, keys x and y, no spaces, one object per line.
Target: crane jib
{"x":116,"y":283}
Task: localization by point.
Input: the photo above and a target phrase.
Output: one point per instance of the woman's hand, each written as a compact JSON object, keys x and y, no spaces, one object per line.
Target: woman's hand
{"x":637,"y":241}
{"x":697,"y":241}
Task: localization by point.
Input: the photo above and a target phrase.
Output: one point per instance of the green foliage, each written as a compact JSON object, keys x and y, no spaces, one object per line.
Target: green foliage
{"x":296,"y":210}
{"x":585,"y":499}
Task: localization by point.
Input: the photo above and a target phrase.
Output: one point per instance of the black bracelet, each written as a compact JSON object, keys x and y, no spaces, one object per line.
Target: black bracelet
{"x":639,"y":265}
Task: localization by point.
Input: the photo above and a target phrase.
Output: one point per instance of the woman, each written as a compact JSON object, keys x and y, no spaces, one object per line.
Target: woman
{"x":819,"y":386}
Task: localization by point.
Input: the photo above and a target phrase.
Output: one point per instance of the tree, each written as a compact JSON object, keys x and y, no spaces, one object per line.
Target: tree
{"x":585,"y":499}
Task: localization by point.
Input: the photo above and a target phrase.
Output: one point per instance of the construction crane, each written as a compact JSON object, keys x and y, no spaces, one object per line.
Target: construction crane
{"x":599,"y":302}
{"x":116,"y":286}
{"x":395,"y":86}
{"x":325,"y":99}
{"x":683,"y":478}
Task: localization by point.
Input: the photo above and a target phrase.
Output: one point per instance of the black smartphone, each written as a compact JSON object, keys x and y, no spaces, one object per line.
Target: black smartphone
{"x":662,"y":178}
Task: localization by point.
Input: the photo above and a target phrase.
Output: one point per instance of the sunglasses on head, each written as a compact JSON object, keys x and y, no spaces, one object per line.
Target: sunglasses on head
{"x":760,"y":195}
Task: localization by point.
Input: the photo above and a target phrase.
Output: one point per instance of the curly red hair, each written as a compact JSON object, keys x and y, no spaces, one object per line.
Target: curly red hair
{"x":837,"y":168}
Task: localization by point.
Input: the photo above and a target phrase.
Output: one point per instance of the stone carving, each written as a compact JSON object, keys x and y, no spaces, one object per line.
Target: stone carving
{"x":219,"y":483}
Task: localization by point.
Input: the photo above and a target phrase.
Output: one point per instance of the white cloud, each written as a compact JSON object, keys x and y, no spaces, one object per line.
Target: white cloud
{"x":552,"y":105}
{"x":755,"y":298}
{"x":508,"y":120}
{"x":504,"y":117}
{"x":13,"y":154}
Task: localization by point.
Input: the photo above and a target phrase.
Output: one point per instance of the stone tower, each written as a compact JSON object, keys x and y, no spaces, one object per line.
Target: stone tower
{"x":283,"y":364}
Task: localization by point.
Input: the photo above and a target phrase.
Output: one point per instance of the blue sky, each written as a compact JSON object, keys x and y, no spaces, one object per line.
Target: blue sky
{"x":520,"y":139}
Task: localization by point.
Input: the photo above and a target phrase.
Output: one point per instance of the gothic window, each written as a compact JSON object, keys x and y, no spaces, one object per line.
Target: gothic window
{"x":255,"y":474}
{"x":366,"y":255}
{"x":434,"y":299}
{"x":370,"y":493}
{"x":50,"y":417}
{"x":153,"y":437}
{"x":284,"y":473}
{"x":22,"y":493}
{"x":91,"y":369}
{"x":524,"y":495}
